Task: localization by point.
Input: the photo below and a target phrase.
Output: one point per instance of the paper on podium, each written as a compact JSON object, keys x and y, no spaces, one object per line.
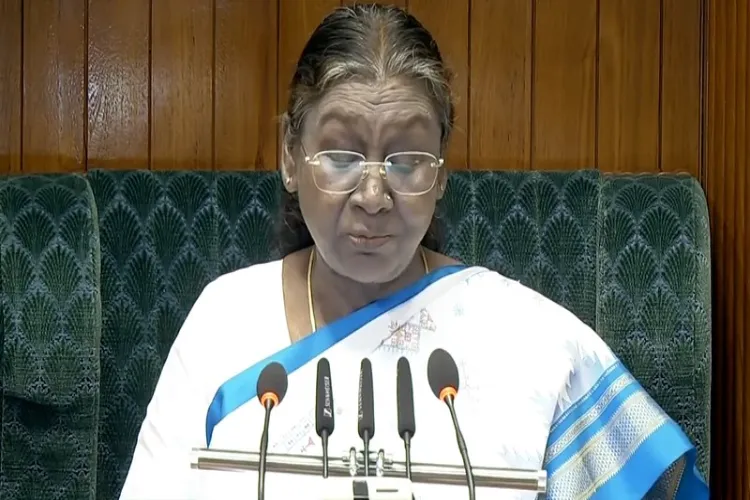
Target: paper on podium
{"x":365,"y":488}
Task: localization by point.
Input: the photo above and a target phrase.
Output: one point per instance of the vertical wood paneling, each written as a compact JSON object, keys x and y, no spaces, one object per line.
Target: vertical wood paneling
{"x":681,"y":86}
{"x":118,"y":83}
{"x":448,"y":21}
{"x":54,"y":95}
{"x":246,"y":84}
{"x":719,"y":193}
{"x":297,"y":21}
{"x":727,"y":172}
{"x":182,"y":84}
{"x":564,"y":85}
{"x":741,"y":248}
{"x":500,"y":91}
{"x":10,"y":85}
{"x":629,"y":88}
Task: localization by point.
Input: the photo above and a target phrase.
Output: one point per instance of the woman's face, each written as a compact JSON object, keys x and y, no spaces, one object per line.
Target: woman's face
{"x":368,"y":233}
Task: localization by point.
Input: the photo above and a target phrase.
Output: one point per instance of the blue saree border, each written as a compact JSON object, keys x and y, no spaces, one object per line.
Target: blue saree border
{"x":241,"y":388}
{"x":650,"y":461}
{"x":574,"y":431}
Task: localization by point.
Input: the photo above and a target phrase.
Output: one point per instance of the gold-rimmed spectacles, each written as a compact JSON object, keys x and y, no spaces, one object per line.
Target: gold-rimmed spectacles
{"x":408,"y":173}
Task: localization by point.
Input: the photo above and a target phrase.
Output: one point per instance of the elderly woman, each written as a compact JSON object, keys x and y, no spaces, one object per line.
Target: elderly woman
{"x":369,"y":116}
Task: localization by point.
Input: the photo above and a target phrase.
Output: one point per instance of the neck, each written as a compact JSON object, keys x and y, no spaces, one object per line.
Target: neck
{"x":336,"y":296}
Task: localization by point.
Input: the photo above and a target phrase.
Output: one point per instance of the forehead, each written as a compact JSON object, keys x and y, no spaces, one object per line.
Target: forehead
{"x":373,"y":109}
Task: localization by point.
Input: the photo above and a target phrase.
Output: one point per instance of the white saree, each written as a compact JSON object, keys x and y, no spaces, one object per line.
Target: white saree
{"x":539,"y":389}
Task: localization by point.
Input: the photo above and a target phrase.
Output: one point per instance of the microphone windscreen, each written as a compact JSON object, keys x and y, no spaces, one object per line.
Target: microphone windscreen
{"x":405,"y":399}
{"x":366,"y":416}
{"x":272,"y":379}
{"x":324,"y":399}
{"x":442,"y":372}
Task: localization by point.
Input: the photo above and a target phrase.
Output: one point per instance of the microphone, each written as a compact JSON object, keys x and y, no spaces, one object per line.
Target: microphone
{"x":405,"y":408}
{"x":366,"y":414}
{"x":442,"y":375}
{"x":271,"y":389}
{"x":324,"y":408}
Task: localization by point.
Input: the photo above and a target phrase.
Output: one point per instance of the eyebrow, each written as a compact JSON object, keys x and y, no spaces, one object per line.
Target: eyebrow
{"x":337,"y":114}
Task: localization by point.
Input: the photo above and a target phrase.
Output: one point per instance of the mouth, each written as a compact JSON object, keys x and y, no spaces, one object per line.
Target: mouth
{"x":368,"y":241}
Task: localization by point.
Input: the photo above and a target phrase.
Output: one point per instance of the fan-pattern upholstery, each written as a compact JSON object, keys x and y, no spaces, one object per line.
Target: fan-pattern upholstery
{"x":51,"y":324}
{"x":164,"y":236}
{"x":628,"y":254}
{"x":538,"y":228}
{"x":654,"y":299}
{"x":158,"y":245}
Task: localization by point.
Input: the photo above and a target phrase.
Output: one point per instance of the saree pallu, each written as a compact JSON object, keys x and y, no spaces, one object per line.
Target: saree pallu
{"x":613,"y":441}
{"x":538,"y":389}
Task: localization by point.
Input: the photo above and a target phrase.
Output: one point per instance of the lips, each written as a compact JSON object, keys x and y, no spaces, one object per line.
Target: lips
{"x":369,"y":241}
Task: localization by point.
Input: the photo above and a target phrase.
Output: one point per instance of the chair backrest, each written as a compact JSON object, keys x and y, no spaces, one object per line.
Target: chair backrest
{"x":50,"y":324}
{"x":164,"y":236}
{"x":627,"y":254}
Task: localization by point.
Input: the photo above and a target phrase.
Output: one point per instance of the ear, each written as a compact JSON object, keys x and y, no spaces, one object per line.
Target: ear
{"x":288,"y":164}
{"x":442,"y":182}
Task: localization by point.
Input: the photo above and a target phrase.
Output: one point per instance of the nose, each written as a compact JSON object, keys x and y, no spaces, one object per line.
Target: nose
{"x":372,"y":195}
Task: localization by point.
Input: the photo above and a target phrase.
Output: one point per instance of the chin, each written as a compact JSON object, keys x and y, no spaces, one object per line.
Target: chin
{"x":371,"y":268}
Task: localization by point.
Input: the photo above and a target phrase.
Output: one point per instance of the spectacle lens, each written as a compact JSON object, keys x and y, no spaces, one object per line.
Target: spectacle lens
{"x":409,"y":173}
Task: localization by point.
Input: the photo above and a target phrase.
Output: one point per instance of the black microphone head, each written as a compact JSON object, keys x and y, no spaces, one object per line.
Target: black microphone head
{"x":272,"y":384}
{"x":324,"y":399}
{"x":442,"y":374}
{"x":405,"y":399}
{"x":366,"y":416}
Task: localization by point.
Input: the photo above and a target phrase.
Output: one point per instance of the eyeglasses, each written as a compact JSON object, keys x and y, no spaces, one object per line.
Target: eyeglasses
{"x":410,"y":173}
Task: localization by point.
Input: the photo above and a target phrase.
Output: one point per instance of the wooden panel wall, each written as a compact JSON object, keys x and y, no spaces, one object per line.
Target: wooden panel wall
{"x":544,"y":84}
{"x":727,"y":184}
{"x":620,"y":85}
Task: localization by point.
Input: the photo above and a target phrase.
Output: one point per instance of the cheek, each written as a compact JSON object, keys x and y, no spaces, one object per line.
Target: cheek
{"x":320,"y":211}
{"x":417,"y":213}
{"x":310,"y":198}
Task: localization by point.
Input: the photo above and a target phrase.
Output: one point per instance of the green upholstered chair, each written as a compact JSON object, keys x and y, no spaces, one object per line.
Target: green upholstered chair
{"x":627,"y":254}
{"x":49,"y":338}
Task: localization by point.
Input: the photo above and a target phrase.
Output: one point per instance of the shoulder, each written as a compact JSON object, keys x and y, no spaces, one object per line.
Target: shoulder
{"x":256,"y":279}
{"x":231,"y":302}
{"x":522,"y":310}
{"x":237,"y":313}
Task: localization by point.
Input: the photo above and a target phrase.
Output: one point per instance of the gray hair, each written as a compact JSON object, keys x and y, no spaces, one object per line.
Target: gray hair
{"x":370,"y":43}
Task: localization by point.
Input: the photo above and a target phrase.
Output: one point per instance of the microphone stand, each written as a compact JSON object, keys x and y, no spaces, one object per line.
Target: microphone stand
{"x":324,"y":440}
{"x":366,"y":444}
{"x":264,"y":450}
{"x":407,"y":452}
{"x":462,"y":447}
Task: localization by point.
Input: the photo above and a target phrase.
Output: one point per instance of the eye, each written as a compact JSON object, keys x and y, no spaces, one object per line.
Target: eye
{"x":339,"y":160}
{"x":410,"y":162}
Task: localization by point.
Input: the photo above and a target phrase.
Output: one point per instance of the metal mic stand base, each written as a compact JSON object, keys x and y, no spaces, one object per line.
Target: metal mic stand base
{"x":365,"y":488}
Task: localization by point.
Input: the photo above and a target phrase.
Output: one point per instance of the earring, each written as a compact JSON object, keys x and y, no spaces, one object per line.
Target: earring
{"x":287,"y":181}
{"x":388,"y":197}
